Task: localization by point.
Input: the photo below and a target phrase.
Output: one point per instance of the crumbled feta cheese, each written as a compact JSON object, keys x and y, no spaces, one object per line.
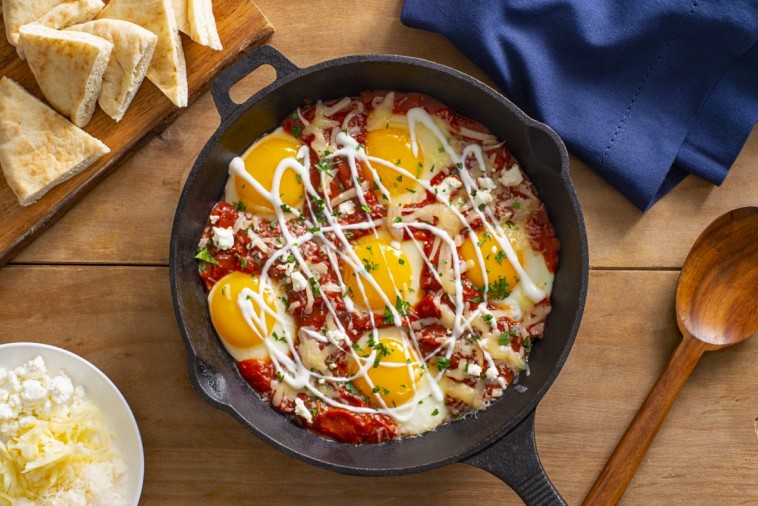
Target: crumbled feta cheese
{"x":474,"y":370}
{"x":486,"y":183}
{"x":512,"y":176}
{"x":302,"y":411}
{"x":483,"y":197}
{"x":34,"y":403}
{"x":491,"y":373}
{"x":214,"y":219}
{"x":6,"y":412}
{"x":223,"y":238}
{"x":299,"y":283}
{"x":32,"y":391}
{"x":447,"y":187}
{"x":61,"y":389}
{"x":347,"y":207}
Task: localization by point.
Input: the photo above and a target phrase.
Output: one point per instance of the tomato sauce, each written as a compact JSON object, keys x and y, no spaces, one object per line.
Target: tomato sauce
{"x":338,"y":423}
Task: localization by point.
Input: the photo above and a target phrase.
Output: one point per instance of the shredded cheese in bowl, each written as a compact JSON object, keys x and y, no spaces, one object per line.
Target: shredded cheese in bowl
{"x":56,"y":445}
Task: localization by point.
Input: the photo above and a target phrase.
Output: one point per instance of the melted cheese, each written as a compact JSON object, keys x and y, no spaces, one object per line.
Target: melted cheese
{"x":375,"y":275}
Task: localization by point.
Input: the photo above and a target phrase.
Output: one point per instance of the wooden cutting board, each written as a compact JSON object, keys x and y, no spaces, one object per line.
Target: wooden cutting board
{"x":241,"y":25}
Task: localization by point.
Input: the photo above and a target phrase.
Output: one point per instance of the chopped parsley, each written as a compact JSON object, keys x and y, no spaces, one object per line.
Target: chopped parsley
{"x":325,"y":166}
{"x":382,"y":351}
{"x":389,"y":318}
{"x":443,"y":363}
{"x":402,"y":306}
{"x":296,"y":129}
{"x":314,"y":287}
{"x":239,"y":206}
{"x":504,"y":339}
{"x":205,"y":256}
{"x":351,"y":389}
{"x":527,"y":344}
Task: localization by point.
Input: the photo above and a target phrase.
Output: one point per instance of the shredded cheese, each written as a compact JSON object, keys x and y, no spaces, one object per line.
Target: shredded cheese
{"x":56,"y":448}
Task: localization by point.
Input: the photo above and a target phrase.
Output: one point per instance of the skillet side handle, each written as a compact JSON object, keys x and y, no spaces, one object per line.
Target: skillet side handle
{"x":514,"y":460}
{"x":264,"y":55}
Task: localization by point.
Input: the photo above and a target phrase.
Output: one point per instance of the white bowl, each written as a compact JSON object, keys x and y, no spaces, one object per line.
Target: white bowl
{"x":101,"y":391}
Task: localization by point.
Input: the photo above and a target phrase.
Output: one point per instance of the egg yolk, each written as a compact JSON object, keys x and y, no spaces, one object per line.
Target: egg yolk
{"x":261,"y":163}
{"x":388,"y":266}
{"x":391,"y":376}
{"x":226,"y":316}
{"x":394,"y":146}
{"x":495,"y":262}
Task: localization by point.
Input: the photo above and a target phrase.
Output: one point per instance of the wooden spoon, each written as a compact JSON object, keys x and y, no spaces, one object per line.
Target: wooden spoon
{"x":716,"y":306}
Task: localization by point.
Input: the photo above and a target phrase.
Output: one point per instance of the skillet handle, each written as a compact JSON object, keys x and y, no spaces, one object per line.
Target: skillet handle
{"x":513,"y":459}
{"x":264,"y":55}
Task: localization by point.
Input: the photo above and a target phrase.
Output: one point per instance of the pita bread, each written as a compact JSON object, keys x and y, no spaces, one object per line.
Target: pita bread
{"x":68,"y":66}
{"x":38,"y":147}
{"x":133,"y":48}
{"x":195,"y":18}
{"x":71,"y":12}
{"x":51,"y":13}
{"x":20,"y":12}
{"x":167,"y":69}
{"x":180,"y":14}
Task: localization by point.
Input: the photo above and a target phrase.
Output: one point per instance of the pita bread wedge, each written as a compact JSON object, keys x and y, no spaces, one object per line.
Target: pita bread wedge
{"x":68,"y":66}
{"x":52,"y":13}
{"x":195,"y":18}
{"x":20,"y":12}
{"x":133,"y":48}
{"x":71,"y":12}
{"x":180,"y":14}
{"x":39,"y":148}
{"x":167,"y":69}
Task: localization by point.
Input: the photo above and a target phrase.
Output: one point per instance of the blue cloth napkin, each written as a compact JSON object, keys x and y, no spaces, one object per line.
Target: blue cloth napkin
{"x":644,"y":92}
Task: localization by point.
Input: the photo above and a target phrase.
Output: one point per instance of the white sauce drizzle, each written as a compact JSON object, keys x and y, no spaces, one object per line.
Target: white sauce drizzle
{"x":288,"y":363}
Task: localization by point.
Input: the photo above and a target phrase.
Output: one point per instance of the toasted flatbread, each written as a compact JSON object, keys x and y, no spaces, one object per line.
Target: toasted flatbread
{"x":71,"y":12}
{"x":133,"y":48}
{"x":68,"y":66}
{"x":20,"y":12}
{"x":195,"y":18}
{"x":52,"y":13}
{"x":39,"y":148}
{"x":180,"y":14}
{"x":167,"y":69}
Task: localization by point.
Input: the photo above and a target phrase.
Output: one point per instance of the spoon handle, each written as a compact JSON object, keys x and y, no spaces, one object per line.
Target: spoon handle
{"x":620,"y":468}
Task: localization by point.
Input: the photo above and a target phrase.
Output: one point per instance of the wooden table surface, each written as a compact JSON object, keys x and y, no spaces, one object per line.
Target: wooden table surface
{"x":97,"y":284}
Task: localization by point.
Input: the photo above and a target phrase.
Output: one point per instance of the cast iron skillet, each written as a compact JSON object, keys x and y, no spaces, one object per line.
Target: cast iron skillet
{"x":501,"y":438}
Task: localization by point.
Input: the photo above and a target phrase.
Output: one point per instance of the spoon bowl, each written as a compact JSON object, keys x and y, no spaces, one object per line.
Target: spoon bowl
{"x":715,"y":297}
{"x":716,"y":306}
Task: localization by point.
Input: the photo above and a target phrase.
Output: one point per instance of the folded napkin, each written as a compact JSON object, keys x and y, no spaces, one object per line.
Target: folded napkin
{"x":643,"y":92}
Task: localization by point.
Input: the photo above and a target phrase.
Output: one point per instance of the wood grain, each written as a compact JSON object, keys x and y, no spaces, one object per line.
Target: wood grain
{"x":619,"y":235}
{"x":716,"y":307}
{"x":117,"y":312}
{"x":121,"y":319}
{"x":240,"y":25}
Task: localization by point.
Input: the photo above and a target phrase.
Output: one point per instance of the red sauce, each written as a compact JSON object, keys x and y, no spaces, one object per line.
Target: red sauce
{"x":339,"y":423}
